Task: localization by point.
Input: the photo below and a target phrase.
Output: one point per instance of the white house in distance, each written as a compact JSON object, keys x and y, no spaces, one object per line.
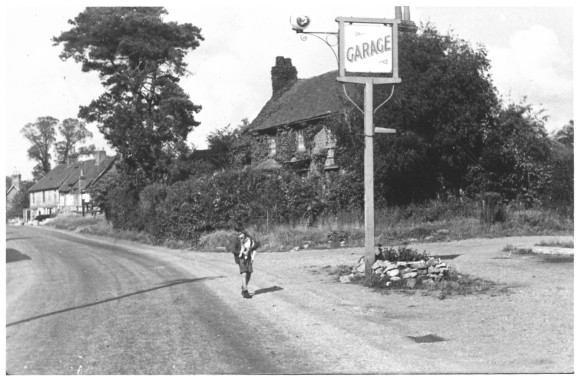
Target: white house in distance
{"x":14,"y":187}
{"x":66,"y":187}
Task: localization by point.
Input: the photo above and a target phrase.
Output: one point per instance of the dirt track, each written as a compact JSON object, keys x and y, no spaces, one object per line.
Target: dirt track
{"x":122,"y":308}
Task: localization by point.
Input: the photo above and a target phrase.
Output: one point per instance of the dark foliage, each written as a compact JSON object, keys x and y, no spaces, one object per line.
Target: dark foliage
{"x":144,"y":113}
{"x":189,"y":208}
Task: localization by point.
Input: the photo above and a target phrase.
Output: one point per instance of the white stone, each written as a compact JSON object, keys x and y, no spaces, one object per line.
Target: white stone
{"x":344,"y":279}
{"x":390,"y":267}
{"x":417,"y":264}
{"x":379,"y":264}
{"x":393,"y":273}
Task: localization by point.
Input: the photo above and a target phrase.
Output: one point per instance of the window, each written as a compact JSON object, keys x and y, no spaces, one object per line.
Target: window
{"x":272,"y":147}
{"x":300,"y":141}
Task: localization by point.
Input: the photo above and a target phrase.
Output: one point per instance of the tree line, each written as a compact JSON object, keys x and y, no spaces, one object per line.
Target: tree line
{"x":456,"y":136}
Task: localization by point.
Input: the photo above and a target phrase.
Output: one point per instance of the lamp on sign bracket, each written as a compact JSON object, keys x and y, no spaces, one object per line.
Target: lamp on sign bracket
{"x":301,"y":22}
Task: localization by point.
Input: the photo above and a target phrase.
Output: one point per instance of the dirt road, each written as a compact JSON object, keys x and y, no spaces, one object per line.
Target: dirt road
{"x":78,"y":305}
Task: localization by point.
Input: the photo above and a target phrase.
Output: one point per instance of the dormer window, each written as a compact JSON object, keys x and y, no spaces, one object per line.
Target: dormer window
{"x":272,"y":142}
{"x":300,"y":142}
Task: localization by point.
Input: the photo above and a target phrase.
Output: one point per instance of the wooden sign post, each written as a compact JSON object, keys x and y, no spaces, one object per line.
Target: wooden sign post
{"x":367,"y":45}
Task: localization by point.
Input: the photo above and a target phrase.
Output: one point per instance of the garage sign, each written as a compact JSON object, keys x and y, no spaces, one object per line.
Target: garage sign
{"x":368,"y":48}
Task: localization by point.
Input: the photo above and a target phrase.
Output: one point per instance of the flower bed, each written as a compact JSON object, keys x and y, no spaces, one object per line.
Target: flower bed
{"x":402,"y":267}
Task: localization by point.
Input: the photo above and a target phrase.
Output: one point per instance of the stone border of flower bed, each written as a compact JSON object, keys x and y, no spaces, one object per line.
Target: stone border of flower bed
{"x":408,"y":272}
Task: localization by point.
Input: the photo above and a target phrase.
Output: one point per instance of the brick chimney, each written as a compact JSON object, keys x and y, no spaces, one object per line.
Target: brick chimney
{"x":99,"y":156}
{"x":406,"y":25}
{"x":16,"y":179}
{"x":283,"y":75}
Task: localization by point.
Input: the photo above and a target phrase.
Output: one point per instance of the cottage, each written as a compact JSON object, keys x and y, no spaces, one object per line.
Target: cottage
{"x":66,"y":187}
{"x":293,"y":130}
{"x":296,"y":128}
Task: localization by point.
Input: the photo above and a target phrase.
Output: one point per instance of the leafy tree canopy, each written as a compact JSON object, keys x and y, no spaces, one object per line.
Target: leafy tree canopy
{"x":143,"y":113}
{"x":73,"y":132}
{"x":440,"y":111}
{"x":42,"y":135}
{"x":565,"y":135}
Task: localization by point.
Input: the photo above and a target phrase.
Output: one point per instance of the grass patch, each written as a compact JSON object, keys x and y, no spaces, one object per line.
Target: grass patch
{"x":546,"y":257}
{"x":524,"y":251}
{"x":508,"y":248}
{"x":556,"y":243}
{"x":432,"y":221}
{"x":72,"y":222}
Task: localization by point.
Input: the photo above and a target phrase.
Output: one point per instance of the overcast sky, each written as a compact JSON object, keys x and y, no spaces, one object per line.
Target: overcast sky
{"x":530,"y":47}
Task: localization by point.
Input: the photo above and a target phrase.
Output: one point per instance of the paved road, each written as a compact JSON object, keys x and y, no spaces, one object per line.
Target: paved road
{"x":78,"y":305}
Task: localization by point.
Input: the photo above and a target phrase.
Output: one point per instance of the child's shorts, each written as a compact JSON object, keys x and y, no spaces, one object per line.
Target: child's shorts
{"x":245,"y":265}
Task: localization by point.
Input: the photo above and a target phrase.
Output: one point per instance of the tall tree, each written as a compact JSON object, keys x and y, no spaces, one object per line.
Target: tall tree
{"x":230,"y":145}
{"x":515,"y":155}
{"x":73,"y":131}
{"x":42,"y":135}
{"x":440,"y":110}
{"x":565,"y":135}
{"x":144,"y":113}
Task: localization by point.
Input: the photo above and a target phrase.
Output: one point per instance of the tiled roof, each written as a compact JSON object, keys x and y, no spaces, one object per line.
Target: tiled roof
{"x":307,"y":99}
{"x":53,"y":179}
{"x":65,"y":177}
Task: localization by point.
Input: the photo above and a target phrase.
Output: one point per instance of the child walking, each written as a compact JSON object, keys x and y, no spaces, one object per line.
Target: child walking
{"x":244,"y":254}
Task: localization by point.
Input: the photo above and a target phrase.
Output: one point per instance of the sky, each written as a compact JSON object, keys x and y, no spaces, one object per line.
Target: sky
{"x":530,"y":47}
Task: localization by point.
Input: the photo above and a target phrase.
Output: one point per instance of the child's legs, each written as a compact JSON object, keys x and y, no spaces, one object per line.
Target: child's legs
{"x":245,"y":279}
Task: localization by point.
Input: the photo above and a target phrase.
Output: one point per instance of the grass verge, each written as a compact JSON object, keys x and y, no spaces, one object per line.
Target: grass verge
{"x":556,"y":243}
{"x":433,"y":221}
{"x":545,"y":257}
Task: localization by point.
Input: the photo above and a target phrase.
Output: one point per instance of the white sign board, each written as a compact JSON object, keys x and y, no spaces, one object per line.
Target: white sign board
{"x":368,"y":48}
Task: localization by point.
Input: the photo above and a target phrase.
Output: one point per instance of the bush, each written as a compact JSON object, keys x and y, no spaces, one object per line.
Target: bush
{"x":186,"y":210}
{"x":401,"y":254}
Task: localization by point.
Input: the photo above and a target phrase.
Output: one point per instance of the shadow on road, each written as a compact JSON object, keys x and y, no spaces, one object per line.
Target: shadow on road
{"x":164,"y":285}
{"x":18,"y":238}
{"x":268,"y":290}
{"x":448,"y":257}
{"x":13,"y":255}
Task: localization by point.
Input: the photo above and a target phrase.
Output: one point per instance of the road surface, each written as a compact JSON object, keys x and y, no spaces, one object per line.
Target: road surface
{"x":85,"y":305}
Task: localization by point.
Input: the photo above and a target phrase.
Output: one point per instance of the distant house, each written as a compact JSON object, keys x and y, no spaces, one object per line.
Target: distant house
{"x":14,"y":187}
{"x":296,"y":128}
{"x":66,"y":187}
